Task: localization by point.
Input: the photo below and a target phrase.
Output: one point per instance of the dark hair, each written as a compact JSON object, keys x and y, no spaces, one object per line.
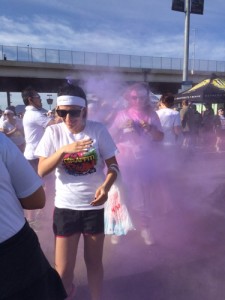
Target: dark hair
{"x":72,"y":90}
{"x":27,"y":93}
{"x":207,"y":105}
{"x":12,"y":108}
{"x":185,"y":102}
{"x":69,"y":89}
{"x":167,"y":99}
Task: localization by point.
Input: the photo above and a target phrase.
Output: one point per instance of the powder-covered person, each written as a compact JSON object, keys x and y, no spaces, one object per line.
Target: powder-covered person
{"x":137,"y":131}
{"x":78,"y":149}
{"x":24,"y":271}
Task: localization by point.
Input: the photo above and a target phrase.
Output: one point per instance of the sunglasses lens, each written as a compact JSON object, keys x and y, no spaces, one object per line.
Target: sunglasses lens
{"x":75,"y":113}
{"x":61,"y":113}
{"x":72,"y":113}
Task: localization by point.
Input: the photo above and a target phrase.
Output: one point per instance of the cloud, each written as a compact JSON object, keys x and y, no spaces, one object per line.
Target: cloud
{"x":51,"y":34}
{"x":134,"y":29}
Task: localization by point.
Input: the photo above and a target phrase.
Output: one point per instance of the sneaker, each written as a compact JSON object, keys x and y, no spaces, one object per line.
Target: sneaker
{"x":145,"y":234}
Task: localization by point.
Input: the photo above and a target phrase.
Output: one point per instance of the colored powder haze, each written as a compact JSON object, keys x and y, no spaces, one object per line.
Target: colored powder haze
{"x":186,"y":217}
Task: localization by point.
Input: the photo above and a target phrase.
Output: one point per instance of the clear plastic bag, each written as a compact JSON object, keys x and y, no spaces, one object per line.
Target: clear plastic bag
{"x":117,"y":218}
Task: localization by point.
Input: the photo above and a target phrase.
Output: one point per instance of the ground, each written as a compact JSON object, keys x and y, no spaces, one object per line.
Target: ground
{"x":187,"y":261}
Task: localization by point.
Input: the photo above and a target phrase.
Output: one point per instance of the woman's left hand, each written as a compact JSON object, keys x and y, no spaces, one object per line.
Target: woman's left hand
{"x":101,"y":196}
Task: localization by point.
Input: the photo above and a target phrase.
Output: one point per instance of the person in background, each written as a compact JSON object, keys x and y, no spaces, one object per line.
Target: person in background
{"x":13,"y":128}
{"x":220,"y":130}
{"x":187,"y":122}
{"x":136,"y":129}
{"x":51,"y":114}
{"x":170,"y":120}
{"x":197,"y":125}
{"x":25,"y":272}
{"x":78,"y":150}
{"x":171,"y":155}
{"x":208,"y":134}
{"x":2,"y":119}
{"x":34,"y":122}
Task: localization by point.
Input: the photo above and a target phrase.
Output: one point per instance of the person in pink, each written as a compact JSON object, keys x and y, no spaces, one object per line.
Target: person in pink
{"x":136,"y":130}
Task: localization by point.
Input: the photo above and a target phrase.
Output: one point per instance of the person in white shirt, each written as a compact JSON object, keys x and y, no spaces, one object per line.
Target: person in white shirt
{"x":34,"y":122}
{"x":78,"y":150}
{"x":170,"y":120}
{"x":25,"y":272}
{"x":2,"y":119}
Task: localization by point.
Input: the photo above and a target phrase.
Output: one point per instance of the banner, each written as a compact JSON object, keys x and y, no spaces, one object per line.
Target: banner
{"x":197,"y":7}
{"x":178,"y":5}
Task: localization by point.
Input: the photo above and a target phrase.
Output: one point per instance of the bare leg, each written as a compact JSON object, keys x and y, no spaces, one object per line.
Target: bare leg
{"x":65,"y":258}
{"x":93,"y":252}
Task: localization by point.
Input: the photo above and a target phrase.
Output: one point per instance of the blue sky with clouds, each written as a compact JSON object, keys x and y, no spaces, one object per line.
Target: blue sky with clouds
{"x":137,"y":27}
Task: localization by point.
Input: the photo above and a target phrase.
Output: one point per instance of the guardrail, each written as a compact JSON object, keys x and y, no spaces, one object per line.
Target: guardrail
{"x":30,"y":54}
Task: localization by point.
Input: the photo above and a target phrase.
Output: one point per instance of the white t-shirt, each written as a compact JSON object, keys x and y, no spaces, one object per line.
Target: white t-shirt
{"x":34,"y":123}
{"x":17,"y":180}
{"x":17,"y":137}
{"x":78,"y":175}
{"x":2,"y":119}
{"x":169,"y":118}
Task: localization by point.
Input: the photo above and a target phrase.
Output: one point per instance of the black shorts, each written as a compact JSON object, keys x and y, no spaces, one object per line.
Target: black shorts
{"x":67,"y":222}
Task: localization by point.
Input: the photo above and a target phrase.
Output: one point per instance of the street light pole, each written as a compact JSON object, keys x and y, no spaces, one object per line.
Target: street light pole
{"x":28,"y":52}
{"x":186,"y":42}
{"x":193,"y":53}
{"x":188,"y":7}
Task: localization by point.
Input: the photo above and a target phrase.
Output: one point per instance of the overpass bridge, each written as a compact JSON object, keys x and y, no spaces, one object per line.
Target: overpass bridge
{"x":47,"y":69}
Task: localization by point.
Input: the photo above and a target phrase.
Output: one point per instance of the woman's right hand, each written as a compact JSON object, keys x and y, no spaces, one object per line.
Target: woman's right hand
{"x":78,"y":146}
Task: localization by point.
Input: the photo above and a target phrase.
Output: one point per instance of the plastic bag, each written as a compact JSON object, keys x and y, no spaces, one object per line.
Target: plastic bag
{"x":117,"y":218}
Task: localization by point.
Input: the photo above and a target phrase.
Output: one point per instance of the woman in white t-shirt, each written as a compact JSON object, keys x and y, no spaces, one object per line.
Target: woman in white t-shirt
{"x":78,"y":150}
{"x":13,"y":128}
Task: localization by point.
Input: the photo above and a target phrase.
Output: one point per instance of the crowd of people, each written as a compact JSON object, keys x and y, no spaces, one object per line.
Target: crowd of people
{"x":131,"y":142}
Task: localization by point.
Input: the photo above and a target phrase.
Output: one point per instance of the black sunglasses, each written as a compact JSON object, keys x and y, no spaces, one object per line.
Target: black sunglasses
{"x":73,"y":112}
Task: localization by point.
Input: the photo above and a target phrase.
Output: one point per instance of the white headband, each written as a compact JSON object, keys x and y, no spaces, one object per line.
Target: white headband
{"x":8,"y":111}
{"x":71,"y":100}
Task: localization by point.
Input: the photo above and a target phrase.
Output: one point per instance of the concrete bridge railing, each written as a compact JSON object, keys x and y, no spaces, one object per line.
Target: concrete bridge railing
{"x":43,"y":55}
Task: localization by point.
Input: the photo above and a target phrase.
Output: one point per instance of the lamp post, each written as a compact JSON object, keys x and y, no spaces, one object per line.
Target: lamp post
{"x":28,"y":52}
{"x":188,"y":7}
{"x":49,"y":101}
{"x":186,"y":43}
{"x":193,"y":53}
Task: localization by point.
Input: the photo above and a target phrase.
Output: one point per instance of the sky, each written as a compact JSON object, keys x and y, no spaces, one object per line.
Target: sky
{"x":136,"y":27}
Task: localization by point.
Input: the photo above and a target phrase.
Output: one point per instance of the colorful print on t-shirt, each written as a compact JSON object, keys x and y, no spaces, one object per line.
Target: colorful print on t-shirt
{"x":81,"y":163}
